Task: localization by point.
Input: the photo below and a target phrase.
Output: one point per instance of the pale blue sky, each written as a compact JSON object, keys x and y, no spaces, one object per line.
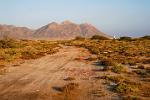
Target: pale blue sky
{"x":121,"y":17}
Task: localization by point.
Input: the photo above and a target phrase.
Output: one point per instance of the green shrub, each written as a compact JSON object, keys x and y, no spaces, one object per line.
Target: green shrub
{"x":79,"y":38}
{"x":8,"y":44}
{"x":125,"y":38}
{"x":143,"y":72}
{"x":29,"y":53}
{"x":115,"y":79}
{"x":146,"y":37}
{"x":107,"y":61}
{"x":99,"y":37}
{"x":126,"y":88}
{"x":118,"y":68}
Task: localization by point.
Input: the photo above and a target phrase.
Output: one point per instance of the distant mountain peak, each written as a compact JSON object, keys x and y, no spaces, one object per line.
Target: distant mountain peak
{"x":67,"y":22}
{"x":67,"y":29}
{"x":53,"y":23}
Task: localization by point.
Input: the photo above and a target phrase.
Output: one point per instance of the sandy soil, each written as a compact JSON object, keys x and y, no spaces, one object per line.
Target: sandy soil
{"x":44,"y":78}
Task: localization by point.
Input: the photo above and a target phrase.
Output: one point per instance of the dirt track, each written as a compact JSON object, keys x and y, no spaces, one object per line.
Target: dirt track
{"x":40,"y":79}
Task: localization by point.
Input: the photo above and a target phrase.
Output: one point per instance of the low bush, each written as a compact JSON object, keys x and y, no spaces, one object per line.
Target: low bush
{"x":146,"y":37}
{"x":8,"y":44}
{"x":107,"y":62}
{"x":123,"y":85}
{"x":125,"y":88}
{"x":125,"y":38}
{"x":29,"y":53}
{"x":143,"y":72}
{"x":118,"y":69}
{"x":115,"y":79}
{"x":79,"y":38}
{"x":99,"y":37}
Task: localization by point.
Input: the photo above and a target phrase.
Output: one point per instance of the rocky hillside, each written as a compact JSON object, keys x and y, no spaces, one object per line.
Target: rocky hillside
{"x":64,"y":30}
{"x":67,"y":29}
{"x":15,"y":32}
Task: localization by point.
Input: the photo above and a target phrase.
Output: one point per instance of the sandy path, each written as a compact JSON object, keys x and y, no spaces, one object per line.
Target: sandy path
{"x":35,"y":79}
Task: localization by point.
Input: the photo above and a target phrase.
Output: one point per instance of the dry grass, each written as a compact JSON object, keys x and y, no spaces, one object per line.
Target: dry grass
{"x":67,"y":92}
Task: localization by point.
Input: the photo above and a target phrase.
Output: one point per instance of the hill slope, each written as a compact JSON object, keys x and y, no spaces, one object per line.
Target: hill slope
{"x":15,"y":32}
{"x":67,"y":29}
{"x":64,"y":30}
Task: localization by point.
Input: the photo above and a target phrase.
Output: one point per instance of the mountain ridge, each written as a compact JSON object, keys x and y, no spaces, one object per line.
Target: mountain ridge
{"x":64,"y":30}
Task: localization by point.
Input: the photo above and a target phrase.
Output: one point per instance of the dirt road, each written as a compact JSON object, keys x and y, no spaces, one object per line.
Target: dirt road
{"x":49,"y":78}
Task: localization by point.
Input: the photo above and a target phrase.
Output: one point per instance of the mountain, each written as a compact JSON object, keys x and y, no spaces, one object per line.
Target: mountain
{"x":15,"y":32}
{"x":67,"y":30}
{"x":64,"y":30}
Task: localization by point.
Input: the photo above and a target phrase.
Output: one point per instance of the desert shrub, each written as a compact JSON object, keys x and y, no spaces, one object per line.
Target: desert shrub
{"x":126,"y":88}
{"x":99,"y":37}
{"x":29,"y":53}
{"x":143,"y":72}
{"x":5,"y":57}
{"x":123,"y":85}
{"x":107,"y":62}
{"x":125,"y":38}
{"x":118,"y":68}
{"x":9,"y":55}
{"x":67,"y":88}
{"x":79,"y":38}
{"x":8,"y":44}
{"x":115,"y":79}
{"x":146,"y":61}
{"x":92,"y":49}
{"x":146,"y":37}
{"x":122,"y":52}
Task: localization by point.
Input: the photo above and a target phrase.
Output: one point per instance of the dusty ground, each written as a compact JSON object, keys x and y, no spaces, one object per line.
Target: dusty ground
{"x":45,"y":78}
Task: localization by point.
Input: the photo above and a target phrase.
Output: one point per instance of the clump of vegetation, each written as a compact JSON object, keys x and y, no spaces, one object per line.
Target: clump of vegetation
{"x":11,"y":50}
{"x":130,"y":98}
{"x":8,"y":43}
{"x":145,"y":37}
{"x":99,"y":37}
{"x":29,"y":53}
{"x":146,"y":61}
{"x":121,"y":52}
{"x":125,"y":38}
{"x":67,"y":88}
{"x":143,"y":72}
{"x":126,"y":88}
{"x":79,"y":38}
{"x":107,"y":62}
{"x":123,"y":85}
{"x":118,"y":69}
{"x":115,"y":79}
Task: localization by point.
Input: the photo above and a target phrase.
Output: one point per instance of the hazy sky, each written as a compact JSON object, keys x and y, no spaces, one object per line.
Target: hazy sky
{"x":121,"y":17}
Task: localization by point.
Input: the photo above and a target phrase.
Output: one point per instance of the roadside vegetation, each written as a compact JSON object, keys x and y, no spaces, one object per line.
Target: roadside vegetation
{"x":126,"y":61}
{"x":15,"y":50}
{"x":125,"y":50}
